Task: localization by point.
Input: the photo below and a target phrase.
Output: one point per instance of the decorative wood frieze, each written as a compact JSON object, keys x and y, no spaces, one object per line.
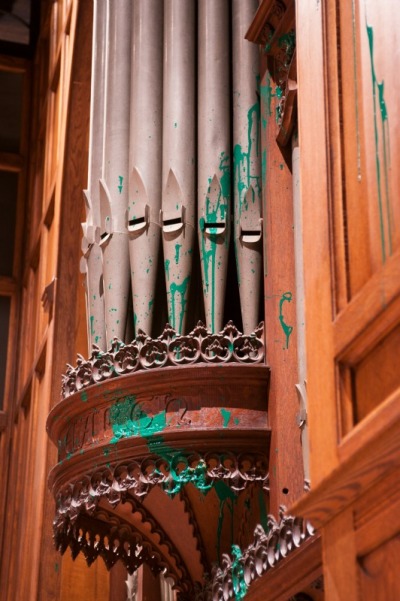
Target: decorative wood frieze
{"x":106,"y":535}
{"x":171,"y":472}
{"x":237,"y":572}
{"x":169,"y":349}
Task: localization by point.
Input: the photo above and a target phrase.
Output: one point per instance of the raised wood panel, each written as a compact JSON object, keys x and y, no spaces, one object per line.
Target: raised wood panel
{"x":378,"y":572}
{"x":338,"y":551}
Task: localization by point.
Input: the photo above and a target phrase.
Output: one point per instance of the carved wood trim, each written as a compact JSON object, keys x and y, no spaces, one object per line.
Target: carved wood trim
{"x":113,"y":539}
{"x":239,"y":571}
{"x":169,"y":349}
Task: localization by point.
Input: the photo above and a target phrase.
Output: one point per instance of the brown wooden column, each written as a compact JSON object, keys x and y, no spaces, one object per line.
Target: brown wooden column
{"x":148,"y":585}
{"x":286,"y":464}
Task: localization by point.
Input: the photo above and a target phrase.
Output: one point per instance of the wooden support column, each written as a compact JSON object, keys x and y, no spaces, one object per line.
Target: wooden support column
{"x":148,"y":585}
{"x":118,"y":576}
{"x":286,"y":464}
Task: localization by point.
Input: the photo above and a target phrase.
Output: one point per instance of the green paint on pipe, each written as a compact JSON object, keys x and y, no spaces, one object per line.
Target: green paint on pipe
{"x":177,"y":249}
{"x":182,"y":290}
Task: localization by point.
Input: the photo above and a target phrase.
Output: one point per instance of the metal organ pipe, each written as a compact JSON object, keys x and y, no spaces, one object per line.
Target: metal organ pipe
{"x":91,"y":263}
{"x":145,"y":157}
{"x":214,"y":163}
{"x":247,"y":163}
{"x":114,"y":185}
{"x":178,"y":168}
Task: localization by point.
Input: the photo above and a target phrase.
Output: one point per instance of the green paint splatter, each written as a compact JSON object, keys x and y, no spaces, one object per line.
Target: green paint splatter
{"x":286,"y":297}
{"x":226,"y":415}
{"x":120,"y":179}
{"x":236,"y":421}
{"x":247,"y":172}
{"x":177,"y":249}
{"x":237,"y":570}
{"x":151,"y":303}
{"x":166,"y":267}
{"x":379,"y":103}
{"x":92,"y":332}
{"x":84,"y":396}
{"x":182,"y":290}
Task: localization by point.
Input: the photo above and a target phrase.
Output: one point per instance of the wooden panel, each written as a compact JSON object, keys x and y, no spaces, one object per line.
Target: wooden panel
{"x":379,"y":572}
{"x":377,"y":375}
{"x":78,"y":581}
{"x":338,"y":547}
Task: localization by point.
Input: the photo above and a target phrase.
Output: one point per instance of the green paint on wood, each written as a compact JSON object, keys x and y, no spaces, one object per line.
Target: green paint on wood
{"x":226,"y":415}
{"x":379,"y":104}
{"x":237,"y":569}
{"x":263,"y":510}
{"x":84,"y":396}
{"x":286,"y":297}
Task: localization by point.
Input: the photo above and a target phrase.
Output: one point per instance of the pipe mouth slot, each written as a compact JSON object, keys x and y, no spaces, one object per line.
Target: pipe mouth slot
{"x":104,"y":237}
{"x":135,"y":225}
{"x":250,"y":235}
{"x":172,"y":225}
{"x":214,"y":228}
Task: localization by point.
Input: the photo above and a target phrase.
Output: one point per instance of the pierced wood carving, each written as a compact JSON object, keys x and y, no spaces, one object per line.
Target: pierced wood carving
{"x":171,"y":473}
{"x":238,"y":571}
{"x":169,"y":349}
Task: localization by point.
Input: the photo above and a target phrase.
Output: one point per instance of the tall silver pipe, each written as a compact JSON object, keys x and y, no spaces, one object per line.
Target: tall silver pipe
{"x":92,"y":261}
{"x":178,"y":170}
{"x":214,"y":161}
{"x":247,"y":163}
{"x":300,"y":309}
{"x":145,"y":157}
{"x":114,"y":185}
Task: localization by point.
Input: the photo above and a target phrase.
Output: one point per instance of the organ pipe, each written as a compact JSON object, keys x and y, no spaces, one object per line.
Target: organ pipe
{"x":114,"y":185}
{"x":214,"y":163}
{"x":145,"y":157}
{"x":92,"y":264}
{"x":247,"y":164}
{"x":178,"y":169}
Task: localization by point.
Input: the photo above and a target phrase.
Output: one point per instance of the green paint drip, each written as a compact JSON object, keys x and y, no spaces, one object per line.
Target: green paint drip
{"x":120,"y":179}
{"x":286,"y":297}
{"x":380,"y":104}
{"x":84,"y":396}
{"x":226,"y":415}
{"x":353,"y":10}
{"x":246,"y":170}
{"x":237,"y":569}
{"x":182,"y":290}
{"x":177,"y":249}
{"x":216,"y":211}
{"x":92,"y":332}
{"x":166,"y":268}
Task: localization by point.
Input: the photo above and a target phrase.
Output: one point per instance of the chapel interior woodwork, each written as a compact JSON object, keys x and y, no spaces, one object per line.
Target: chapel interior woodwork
{"x":313,"y":457}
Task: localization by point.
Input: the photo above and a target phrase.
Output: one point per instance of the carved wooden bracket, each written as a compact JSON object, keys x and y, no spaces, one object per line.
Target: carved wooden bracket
{"x":273,"y":28}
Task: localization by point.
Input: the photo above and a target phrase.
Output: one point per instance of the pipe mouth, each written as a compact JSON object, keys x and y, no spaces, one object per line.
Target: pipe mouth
{"x":250,"y":236}
{"x":137,"y":225}
{"x":214,"y":228}
{"x":172,"y":225}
